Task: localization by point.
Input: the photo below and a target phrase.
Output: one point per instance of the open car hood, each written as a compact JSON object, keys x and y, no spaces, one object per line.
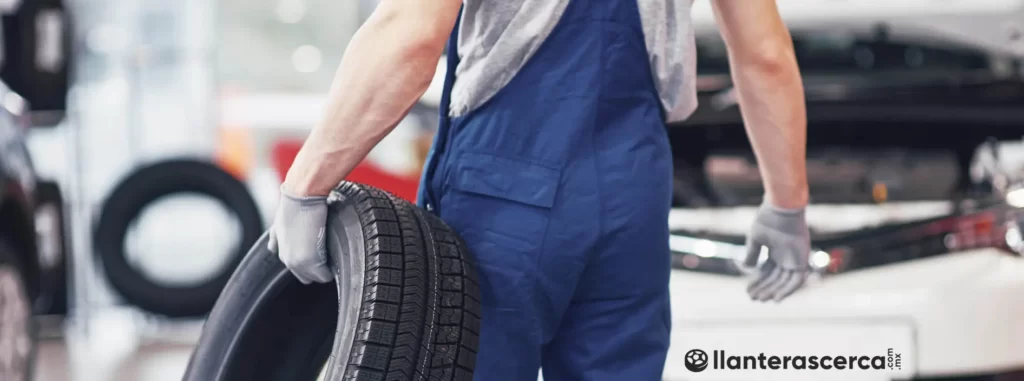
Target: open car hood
{"x":996,"y":25}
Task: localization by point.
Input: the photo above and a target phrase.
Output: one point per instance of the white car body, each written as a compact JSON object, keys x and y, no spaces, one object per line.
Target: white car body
{"x":949,"y":315}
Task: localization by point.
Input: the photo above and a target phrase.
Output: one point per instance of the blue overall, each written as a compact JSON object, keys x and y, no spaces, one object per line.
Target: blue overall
{"x":560,"y":185}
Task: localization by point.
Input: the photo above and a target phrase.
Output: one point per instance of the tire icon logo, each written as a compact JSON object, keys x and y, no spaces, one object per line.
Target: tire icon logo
{"x":696,"y":360}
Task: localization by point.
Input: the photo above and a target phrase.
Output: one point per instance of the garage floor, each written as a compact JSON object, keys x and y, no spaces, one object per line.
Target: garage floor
{"x":123,"y":344}
{"x":157,"y":362}
{"x":118,"y":346}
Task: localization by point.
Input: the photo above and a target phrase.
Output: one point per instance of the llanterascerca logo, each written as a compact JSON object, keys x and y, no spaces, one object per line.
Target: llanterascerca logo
{"x":698,"y":360}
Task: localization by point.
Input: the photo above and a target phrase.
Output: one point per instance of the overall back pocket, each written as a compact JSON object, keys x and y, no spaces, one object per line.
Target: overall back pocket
{"x":501,"y":207}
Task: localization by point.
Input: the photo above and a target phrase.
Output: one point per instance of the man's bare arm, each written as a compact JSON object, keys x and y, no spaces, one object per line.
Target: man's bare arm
{"x":387,"y":67}
{"x":770,"y":93}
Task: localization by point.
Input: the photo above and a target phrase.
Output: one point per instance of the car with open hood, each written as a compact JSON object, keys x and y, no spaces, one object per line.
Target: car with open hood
{"x":915,"y":113}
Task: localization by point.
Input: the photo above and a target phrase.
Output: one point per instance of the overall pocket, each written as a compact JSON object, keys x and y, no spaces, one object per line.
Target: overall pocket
{"x":501,"y":207}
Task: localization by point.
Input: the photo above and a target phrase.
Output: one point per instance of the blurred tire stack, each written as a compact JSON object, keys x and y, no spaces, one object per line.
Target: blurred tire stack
{"x":36,"y":54}
{"x":140,"y":190}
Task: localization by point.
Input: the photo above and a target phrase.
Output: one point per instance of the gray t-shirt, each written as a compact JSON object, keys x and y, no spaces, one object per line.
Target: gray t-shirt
{"x":497,"y":37}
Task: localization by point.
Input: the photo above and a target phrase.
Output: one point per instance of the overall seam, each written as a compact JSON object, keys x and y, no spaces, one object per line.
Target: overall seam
{"x":598,"y":157}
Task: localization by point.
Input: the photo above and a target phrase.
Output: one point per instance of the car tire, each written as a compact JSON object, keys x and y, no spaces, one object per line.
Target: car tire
{"x":27,"y":39}
{"x":18,"y":332}
{"x":146,"y":186}
{"x":405,"y":304}
{"x":53,"y":256}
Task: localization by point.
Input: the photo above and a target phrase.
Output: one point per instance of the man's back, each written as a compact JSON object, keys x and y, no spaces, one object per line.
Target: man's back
{"x":498,"y":37}
{"x":557,"y":171}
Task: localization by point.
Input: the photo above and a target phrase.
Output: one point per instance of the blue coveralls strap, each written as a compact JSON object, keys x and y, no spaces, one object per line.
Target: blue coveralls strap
{"x":560,"y":185}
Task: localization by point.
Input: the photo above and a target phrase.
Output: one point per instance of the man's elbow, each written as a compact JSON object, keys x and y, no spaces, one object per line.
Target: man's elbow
{"x":772,"y":59}
{"x":415,"y":44}
{"x":422,"y":59}
{"x":419,"y":33}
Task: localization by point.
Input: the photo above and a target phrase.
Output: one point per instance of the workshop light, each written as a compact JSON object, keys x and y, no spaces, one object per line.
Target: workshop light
{"x":820,"y":259}
{"x":880,"y":192}
{"x":1014,"y":239}
{"x":1015,"y":198}
{"x":705,"y":248}
{"x":9,"y":6}
{"x":306,"y":59}
{"x":291,"y":11}
{"x":49,"y":53}
{"x":14,"y":103}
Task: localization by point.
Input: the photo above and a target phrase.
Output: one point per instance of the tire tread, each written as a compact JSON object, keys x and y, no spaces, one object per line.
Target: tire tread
{"x":419,"y":318}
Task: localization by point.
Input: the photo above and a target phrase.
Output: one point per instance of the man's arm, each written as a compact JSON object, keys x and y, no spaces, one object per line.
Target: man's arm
{"x":771,"y":95}
{"x":387,"y":66}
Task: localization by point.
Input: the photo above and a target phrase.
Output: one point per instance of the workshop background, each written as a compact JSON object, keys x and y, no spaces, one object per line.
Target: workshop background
{"x":159,"y":131}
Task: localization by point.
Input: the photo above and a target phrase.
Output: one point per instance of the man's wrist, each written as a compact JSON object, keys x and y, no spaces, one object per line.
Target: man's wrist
{"x":790,"y":201}
{"x":298,"y":188}
{"x":301,"y":198}
{"x":310,"y":177}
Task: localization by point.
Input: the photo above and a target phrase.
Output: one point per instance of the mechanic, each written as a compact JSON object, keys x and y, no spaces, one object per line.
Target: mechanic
{"x":552,"y":162}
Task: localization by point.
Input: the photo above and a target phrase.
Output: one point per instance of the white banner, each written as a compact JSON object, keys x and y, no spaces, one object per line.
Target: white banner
{"x":793,"y":351}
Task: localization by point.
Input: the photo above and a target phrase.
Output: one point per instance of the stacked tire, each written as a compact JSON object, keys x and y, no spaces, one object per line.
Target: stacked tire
{"x":37,"y":40}
{"x":405,"y":304}
{"x":151,"y":184}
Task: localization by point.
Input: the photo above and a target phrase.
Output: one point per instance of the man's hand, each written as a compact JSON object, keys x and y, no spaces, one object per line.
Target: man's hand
{"x":783,"y":233}
{"x":298,"y":238}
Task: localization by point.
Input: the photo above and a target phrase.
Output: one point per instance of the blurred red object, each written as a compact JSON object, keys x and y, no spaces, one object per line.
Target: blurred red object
{"x":284,"y":151}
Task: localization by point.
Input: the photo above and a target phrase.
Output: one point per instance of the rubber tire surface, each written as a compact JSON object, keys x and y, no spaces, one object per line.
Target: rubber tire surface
{"x":53,"y":295}
{"x":8,"y":257}
{"x":43,"y":89}
{"x":407,"y":290}
{"x":144,"y":187}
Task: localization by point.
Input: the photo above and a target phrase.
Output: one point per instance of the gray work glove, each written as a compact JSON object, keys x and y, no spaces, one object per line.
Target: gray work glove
{"x":783,"y":232}
{"x":297,"y":236}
